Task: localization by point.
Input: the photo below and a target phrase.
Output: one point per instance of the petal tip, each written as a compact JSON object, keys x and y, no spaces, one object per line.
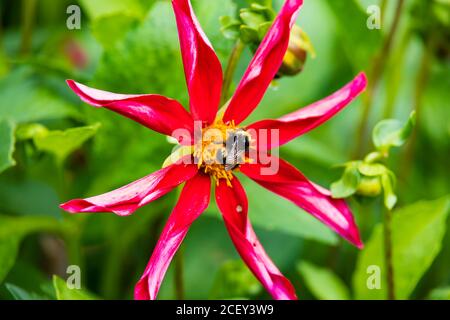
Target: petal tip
{"x":361,"y":80}
{"x":356,"y":241}
{"x":140,"y":291}
{"x":72,"y":84}
{"x":73,"y":206}
{"x":359,"y":244}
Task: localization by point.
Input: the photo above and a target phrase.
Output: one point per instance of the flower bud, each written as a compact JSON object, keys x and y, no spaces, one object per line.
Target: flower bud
{"x":369,"y":187}
{"x":295,"y":57}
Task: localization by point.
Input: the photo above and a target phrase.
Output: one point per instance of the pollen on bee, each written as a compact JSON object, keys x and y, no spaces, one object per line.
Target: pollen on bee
{"x":217,"y":152}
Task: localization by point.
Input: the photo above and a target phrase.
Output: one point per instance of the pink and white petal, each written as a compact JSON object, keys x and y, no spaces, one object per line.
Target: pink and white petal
{"x":201,"y":66}
{"x":124,"y":201}
{"x":161,"y":114}
{"x":194,"y":199}
{"x":264,"y":65}
{"x":289,"y":183}
{"x":233,"y":204}
{"x":304,"y":120}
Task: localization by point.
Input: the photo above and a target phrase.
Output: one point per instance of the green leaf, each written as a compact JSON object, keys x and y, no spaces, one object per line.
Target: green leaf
{"x":6,"y":144}
{"x":371,"y":169}
{"x":148,"y":60}
{"x":230,"y":27}
{"x":101,"y":8}
{"x":24,"y":98}
{"x":21,"y":294}
{"x":417,"y":233}
{"x":12,"y":232}
{"x":440,"y":294}
{"x":42,"y":199}
{"x":111,"y":20}
{"x":9,"y":247}
{"x":30,"y":130}
{"x":323,"y":283}
{"x":116,"y":24}
{"x":390,"y":199}
{"x":271,"y":212}
{"x":263,"y":28}
{"x":63,"y":292}
{"x":234,"y":279}
{"x":265,"y":3}
{"x":392,"y":133}
{"x":63,"y":143}
{"x":153,"y":65}
{"x":359,"y":43}
{"x":348,"y":184}
{"x":252,"y":18}
{"x":249,"y":35}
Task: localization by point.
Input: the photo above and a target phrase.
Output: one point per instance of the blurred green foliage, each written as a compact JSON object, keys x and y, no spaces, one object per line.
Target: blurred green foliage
{"x":52,"y":150}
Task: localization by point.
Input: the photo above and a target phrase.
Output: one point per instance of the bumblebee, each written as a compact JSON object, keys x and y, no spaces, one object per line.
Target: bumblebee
{"x":234,"y":150}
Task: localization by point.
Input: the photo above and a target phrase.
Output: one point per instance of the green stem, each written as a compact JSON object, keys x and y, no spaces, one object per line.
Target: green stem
{"x":383,"y":6}
{"x":333,"y":254}
{"x":1,"y":27}
{"x":419,"y":90}
{"x":73,"y":240}
{"x":375,"y":76}
{"x":73,"y":248}
{"x":179,"y":276}
{"x":28,"y":19}
{"x":118,"y":256}
{"x":387,"y":224}
{"x":230,"y":70}
{"x":394,"y":80}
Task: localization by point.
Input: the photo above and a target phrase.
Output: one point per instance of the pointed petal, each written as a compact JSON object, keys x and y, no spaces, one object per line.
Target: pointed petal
{"x":291,"y":184}
{"x":126,"y":200}
{"x":264,"y":65}
{"x":194,"y":199}
{"x":300,"y":122}
{"x":233,"y":204}
{"x":161,"y":114}
{"x":201,"y":66}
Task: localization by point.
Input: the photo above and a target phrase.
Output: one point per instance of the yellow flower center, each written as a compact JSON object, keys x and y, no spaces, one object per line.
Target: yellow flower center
{"x":221,"y":149}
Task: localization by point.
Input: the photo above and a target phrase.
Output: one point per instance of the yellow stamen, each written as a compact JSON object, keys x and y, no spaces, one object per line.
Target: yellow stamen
{"x":210,"y":150}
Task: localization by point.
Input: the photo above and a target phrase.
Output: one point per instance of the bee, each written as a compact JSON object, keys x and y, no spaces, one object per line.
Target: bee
{"x":237,"y":144}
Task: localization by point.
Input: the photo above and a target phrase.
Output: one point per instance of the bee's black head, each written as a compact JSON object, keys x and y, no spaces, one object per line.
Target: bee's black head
{"x":238,"y":139}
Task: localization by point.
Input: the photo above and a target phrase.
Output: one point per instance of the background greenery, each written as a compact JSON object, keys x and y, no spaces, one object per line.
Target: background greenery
{"x":54,"y":148}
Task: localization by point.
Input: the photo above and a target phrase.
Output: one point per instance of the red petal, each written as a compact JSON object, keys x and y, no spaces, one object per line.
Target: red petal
{"x":233,"y":204}
{"x":299,"y":122}
{"x":156,"y":112}
{"x":264,"y":65}
{"x":126,"y":200}
{"x":289,"y":183}
{"x":194,"y":199}
{"x":201,"y":65}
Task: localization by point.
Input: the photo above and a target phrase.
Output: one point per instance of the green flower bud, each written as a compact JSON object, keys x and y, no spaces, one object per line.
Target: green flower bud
{"x":252,"y":24}
{"x":369,"y":187}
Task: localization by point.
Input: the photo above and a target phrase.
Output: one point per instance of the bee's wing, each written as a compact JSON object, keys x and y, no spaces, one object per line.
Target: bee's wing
{"x":231,"y":154}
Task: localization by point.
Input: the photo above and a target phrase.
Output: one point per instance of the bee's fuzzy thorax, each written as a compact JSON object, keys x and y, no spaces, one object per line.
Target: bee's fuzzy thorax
{"x":221,"y":150}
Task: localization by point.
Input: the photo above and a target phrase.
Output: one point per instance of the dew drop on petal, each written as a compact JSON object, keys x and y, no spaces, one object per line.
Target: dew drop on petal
{"x":239,"y":208}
